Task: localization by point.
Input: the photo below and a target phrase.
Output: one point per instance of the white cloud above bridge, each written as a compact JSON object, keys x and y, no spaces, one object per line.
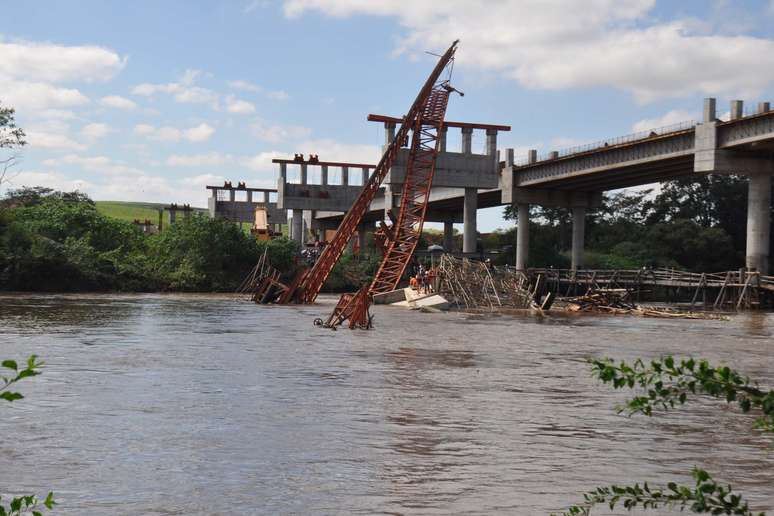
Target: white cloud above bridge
{"x":563,"y":44}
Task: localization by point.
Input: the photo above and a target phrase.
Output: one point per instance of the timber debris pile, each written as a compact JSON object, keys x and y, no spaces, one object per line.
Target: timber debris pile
{"x":469,"y":284}
{"x":618,"y":302}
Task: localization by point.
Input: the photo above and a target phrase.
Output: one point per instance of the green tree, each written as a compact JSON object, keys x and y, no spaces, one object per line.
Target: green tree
{"x":200,"y":253}
{"x":27,"y":503}
{"x":664,"y":385}
{"x":11,"y":138}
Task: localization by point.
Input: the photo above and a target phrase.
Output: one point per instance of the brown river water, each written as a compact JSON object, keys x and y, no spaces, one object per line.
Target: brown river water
{"x":188,"y":404}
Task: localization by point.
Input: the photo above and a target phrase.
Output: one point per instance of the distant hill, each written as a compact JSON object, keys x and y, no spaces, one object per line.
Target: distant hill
{"x":130,"y":211}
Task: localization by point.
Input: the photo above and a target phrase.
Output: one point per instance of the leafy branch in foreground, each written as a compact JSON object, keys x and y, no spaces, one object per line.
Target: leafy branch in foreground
{"x":29,"y":503}
{"x":668,"y":383}
{"x":707,"y":497}
{"x":31,"y":370}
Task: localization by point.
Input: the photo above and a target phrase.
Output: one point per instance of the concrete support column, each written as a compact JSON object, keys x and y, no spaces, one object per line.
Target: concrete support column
{"x":737,"y":109}
{"x":578,"y":236}
{"x":448,"y":236}
{"x":508,"y":158}
{"x":249,"y":196}
{"x":709,"y":110}
{"x":284,"y":172}
{"x":522,"y":237}
{"x":297,"y":227}
{"x":442,"y":139}
{"x":361,"y":238}
{"x":344,"y":175}
{"x":467,"y":140}
{"x":491,"y":142}
{"x":324,"y":174}
{"x":266,"y":198}
{"x":758,"y":222}
{"x":304,"y":175}
{"x":389,"y":133}
{"x":763,"y":107}
{"x":232,"y":195}
{"x":469,"y":220}
{"x":365,"y":174}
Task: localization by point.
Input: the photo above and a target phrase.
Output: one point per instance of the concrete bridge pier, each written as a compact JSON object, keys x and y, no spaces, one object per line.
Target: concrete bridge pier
{"x":578,"y":236}
{"x":470,"y":202}
{"x":469,"y":220}
{"x":361,"y":238}
{"x":297,"y":226}
{"x":758,"y":222}
{"x":448,"y":236}
{"x":522,"y":236}
{"x":713,"y":155}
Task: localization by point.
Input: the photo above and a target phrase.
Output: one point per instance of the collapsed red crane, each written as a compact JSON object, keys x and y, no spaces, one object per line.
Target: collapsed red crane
{"x":425,"y":119}
{"x":398,"y":242}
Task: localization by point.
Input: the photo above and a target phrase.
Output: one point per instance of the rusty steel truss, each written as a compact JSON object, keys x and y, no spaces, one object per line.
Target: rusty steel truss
{"x":314,"y":280}
{"x":425,"y":121}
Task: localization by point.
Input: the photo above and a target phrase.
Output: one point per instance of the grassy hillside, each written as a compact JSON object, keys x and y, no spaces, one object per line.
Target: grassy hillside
{"x":135,"y":210}
{"x":129,"y":211}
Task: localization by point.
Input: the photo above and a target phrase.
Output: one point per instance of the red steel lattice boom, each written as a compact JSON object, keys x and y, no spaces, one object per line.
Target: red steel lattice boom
{"x":425,"y":118}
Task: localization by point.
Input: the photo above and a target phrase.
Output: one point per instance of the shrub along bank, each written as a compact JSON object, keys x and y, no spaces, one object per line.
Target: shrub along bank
{"x":54,"y":241}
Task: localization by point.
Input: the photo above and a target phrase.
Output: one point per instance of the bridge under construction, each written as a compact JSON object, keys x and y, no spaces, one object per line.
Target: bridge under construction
{"x":419,"y":179}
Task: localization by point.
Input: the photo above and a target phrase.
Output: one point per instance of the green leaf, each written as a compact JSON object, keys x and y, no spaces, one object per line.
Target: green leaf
{"x":10,"y":396}
{"x":49,"y":501}
{"x":10,"y":364}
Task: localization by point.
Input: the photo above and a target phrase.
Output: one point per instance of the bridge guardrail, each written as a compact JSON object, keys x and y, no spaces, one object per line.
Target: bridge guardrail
{"x":610,"y":142}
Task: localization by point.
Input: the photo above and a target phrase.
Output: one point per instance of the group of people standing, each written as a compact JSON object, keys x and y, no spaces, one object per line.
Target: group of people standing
{"x":423,"y":278}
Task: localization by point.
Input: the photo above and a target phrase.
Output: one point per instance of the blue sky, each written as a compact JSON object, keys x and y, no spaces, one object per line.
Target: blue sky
{"x":153,"y":100}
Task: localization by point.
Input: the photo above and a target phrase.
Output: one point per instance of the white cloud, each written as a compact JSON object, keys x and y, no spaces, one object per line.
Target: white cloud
{"x":58,"y":63}
{"x":278,"y":95}
{"x":239,"y":106}
{"x":670,"y":118}
{"x":274,"y":133}
{"x":49,"y":179}
{"x":101,"y":164}
{"x":95,"y":131}
{"x":203,"y":180}
{"x":167,"y":134}
{"x":199,"y":133}
{"x":52,"y":140}
{"x":261,"y":162}
{"x":34,"y":97}
{"x":211,"y":159}
{"x":118,"y":102}
{"x":331,"y":150}
{"x":244,"y":86}
{"x":558,"y":44}
{"x":183,"y":91}
{"x":144,"y":129}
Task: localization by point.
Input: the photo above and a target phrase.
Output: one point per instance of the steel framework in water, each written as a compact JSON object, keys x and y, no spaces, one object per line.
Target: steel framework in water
{"x":425,"y":118}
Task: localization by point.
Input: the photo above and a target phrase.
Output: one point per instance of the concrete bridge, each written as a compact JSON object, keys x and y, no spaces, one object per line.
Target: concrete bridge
{"x":574,"y":178}
{"x":238,"y":203}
